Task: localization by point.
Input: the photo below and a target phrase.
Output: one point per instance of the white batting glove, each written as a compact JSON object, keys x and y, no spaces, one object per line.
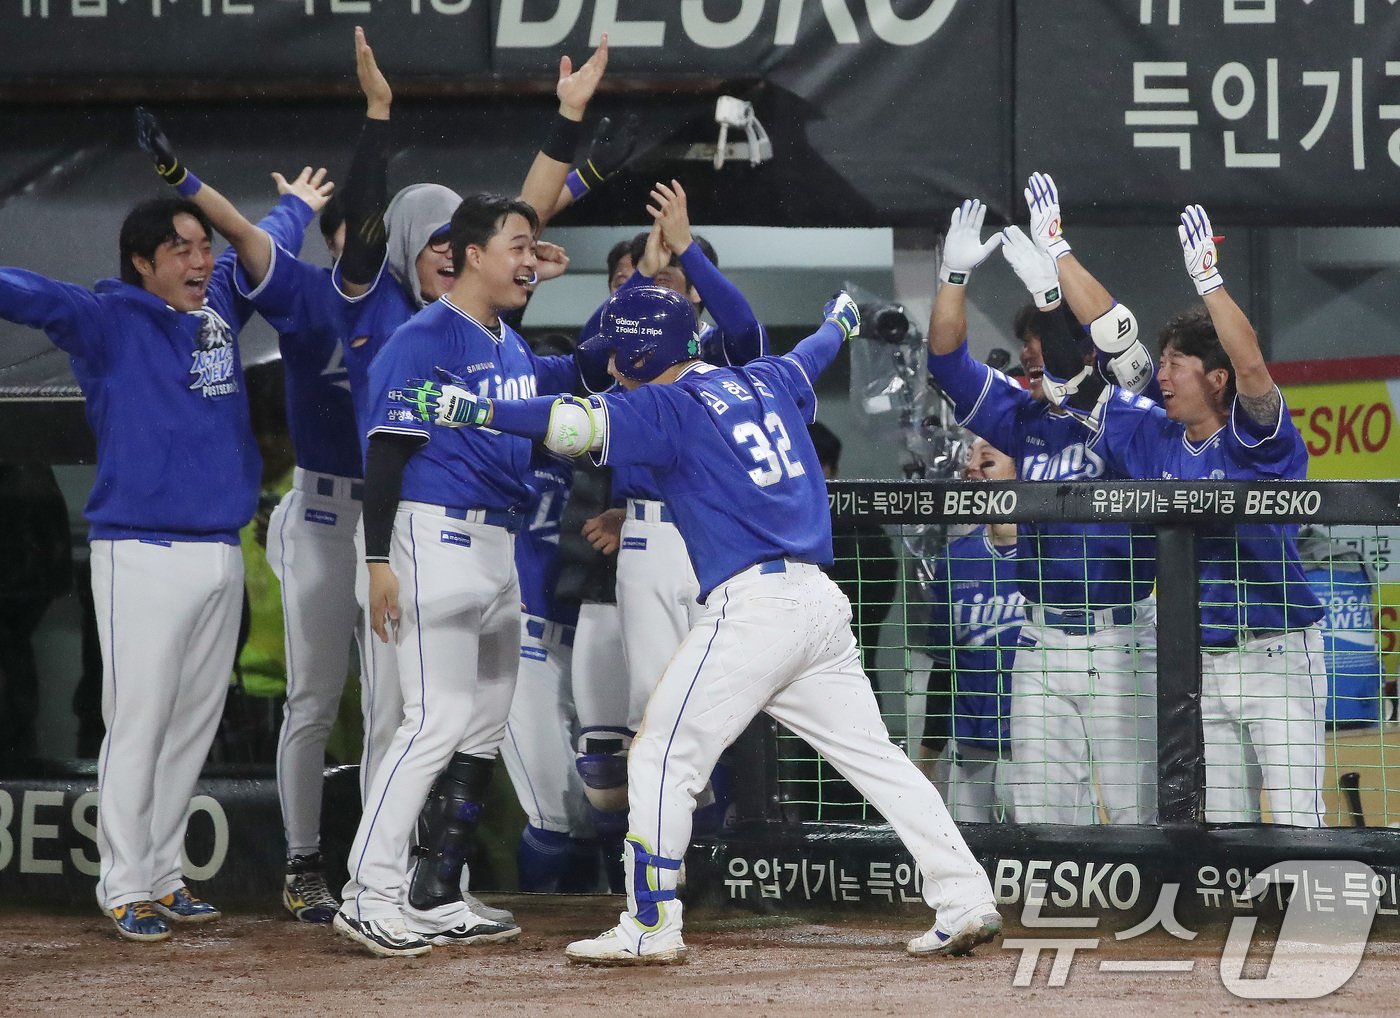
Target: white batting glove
{"x":1198,"y":248}
{"x":1035,"y":267}
{"x":963,"y":248}
{"x":1047,"y":227}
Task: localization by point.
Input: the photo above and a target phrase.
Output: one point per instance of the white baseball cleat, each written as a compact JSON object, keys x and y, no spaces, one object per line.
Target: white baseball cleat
{"x":456,"y":924}
{"x":979,"y":928}
{"x":627,"y":944}
{"x":384,"y":938}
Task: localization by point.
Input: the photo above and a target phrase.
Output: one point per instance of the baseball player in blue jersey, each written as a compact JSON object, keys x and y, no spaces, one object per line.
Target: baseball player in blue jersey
{"x":311,"y":549}
{"x":1084,"y":681}
{"x":441,"y":512}
{"x":657,"y":590}
{"x":729,"y":450}
{"x":173,"y":489}
{"x":1223,"y":418}
{"x":395,"y":260}
{"x":975,"y":626}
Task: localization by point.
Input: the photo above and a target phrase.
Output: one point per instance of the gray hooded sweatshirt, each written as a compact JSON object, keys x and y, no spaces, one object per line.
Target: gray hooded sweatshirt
{"x":413,"y":216}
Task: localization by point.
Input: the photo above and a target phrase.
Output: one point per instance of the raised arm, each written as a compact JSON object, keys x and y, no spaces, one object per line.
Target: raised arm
{"x":252,"y":244}
{"x":963,"y":251}
{"x":1112,"y":326}
{"x":365,"y":195}
{"x":1258,"y":394}
{"x":610,"y":148}
{"x":545,"y":183}
{"x":742,"y":334}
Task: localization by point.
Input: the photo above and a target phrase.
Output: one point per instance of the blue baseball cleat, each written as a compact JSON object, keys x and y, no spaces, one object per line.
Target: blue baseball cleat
{"x":180,"y":906}
{"x":137,"y":920}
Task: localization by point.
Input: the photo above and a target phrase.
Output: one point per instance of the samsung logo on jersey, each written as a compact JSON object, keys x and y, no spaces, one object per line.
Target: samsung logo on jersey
{"x":320,"y":516}
{"x":452,"y":537}
{"x":962,"y":503}
{"x":635,"y":543}
{"x":1070,"y":463}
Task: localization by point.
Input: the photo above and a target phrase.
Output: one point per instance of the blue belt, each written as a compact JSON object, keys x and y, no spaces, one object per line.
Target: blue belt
{"x":1081,"y":622}
{"x":776,"y":566}
{"x":506,"y":518}
{"x":536,"y":629}
{"x":325,"y":486}
{"x":639,"y":512}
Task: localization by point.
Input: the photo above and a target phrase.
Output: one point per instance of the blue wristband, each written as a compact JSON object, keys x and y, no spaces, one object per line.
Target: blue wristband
{"x":189,"y":186}
{"x":578,"y":187}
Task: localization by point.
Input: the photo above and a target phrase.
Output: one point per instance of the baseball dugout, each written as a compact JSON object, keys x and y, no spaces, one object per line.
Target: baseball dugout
{"x":802,"y":836}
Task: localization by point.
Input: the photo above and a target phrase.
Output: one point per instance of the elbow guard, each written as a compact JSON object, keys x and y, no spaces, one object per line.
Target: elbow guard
{"x":1132,"y":369}
{"x":573,"y":428}
{"x":1114,"y":331}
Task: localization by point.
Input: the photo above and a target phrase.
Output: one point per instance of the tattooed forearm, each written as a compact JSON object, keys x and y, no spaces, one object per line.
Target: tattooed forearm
{"x":1261,"y":409}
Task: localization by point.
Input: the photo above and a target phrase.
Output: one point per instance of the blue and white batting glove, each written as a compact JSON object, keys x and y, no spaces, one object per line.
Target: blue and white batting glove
{"x":842,"y":311}
{"x":1047,"y":228}
{"x":1035,"y":266}
{"x":1198,"y":248}
{"x":963,"y":247}
{"x":446,"y":405}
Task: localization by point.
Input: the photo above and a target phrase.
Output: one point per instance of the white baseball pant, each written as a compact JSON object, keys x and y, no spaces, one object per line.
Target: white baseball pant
{"x":381,"y":696}
{"x":1263,"y":706}
{"x":656,"y":599}
{"x":311,"y":549}
{"x":167,"y":619}
{"x":539,"y":745}
{"x":601,"y":689}
{"x":1084,"y":720}
{"x":458,"y":649}
{"x":781,"y":642}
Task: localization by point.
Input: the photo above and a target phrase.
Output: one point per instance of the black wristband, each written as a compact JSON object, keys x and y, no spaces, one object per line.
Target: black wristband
{"x":563,"y":139}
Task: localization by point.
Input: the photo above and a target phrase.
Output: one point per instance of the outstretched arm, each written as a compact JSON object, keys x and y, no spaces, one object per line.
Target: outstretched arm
{"x":1259,"y":396}
{"x":366,"y":192}
{"x":545,"y":183}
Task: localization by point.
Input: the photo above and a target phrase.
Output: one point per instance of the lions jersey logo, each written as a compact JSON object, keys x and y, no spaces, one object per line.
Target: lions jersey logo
{"x":214,"y":354}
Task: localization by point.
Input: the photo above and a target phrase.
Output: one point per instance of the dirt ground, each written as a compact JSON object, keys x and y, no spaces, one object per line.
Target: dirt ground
{"x":265,"y":964}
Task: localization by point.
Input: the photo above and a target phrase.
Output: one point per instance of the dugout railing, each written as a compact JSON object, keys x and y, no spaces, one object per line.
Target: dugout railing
{"x":767,"y":859}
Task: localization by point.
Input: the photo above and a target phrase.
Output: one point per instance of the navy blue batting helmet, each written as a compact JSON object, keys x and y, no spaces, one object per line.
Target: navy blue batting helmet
{"x":647,"y":329}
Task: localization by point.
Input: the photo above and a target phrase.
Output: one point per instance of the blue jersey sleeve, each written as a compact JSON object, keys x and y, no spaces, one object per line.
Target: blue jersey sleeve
{"x":70,"y":315}
{"x":742,"y":336}
{"x":286,"y":223}
{"x":395,"y":364}
{"x":810,"y":357}
{"x":1273,"y":449}
{"x":986,"y":402}
{"x":790,"y":374}
{"x":640,"y":428}
{"x":555,"y":374}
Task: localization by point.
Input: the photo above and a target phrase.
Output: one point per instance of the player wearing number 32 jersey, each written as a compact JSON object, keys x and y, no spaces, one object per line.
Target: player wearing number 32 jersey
{"x":729,"y":450}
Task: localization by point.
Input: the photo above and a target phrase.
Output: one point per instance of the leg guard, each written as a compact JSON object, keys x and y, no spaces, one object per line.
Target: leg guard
{"x":541,"y":859}
{"x":445,"y":825}
{"x":651,"y":882}
{"x":602,"y":764}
